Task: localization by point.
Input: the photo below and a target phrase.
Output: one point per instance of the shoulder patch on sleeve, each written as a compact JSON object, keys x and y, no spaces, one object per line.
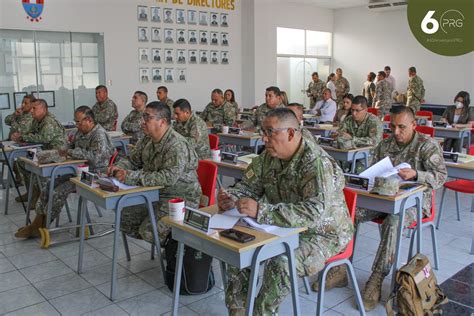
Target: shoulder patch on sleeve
{"x":249,"y":173}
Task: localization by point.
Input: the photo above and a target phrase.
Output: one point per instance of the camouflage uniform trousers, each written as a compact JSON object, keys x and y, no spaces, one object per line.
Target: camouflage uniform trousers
{"x":388,"y":239}
{"x":136,"y":223}
{"x":62,"y":188}
{"x":310,"y":259}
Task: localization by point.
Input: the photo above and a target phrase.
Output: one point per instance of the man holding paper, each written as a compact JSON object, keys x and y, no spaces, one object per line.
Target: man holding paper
{"x":293,"y":183}
{"x":92,"y":143}
{"x":161,"y":158}
{"x":425,"y":157}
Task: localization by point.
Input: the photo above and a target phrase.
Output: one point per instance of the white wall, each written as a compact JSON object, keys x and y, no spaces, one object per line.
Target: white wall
{"x":367,"y":41}
{"x":116,"y":19}
{"x":268,"y":15}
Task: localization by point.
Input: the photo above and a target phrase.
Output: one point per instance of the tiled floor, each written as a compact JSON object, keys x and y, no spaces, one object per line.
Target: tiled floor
{"x":44,"y":282}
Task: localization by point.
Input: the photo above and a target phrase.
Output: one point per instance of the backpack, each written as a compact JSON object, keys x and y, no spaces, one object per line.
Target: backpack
{"x":416,"y":290}
{"x":197,"y":277}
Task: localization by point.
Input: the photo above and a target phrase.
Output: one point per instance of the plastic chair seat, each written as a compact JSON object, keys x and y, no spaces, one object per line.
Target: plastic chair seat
{"x":346,"y":254}
{"x":463,"y":186}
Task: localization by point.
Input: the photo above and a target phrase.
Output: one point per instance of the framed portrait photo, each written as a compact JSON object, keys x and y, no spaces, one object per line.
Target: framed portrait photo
{"x":203,"y":57}
{"x":214,"y":19}
{"x":192,"y":37}
{"x":180,"y":36}
{"x":224,"y":39}
{"x":156,"y":34}
{"x":180,"y":56}
{"x":169,"y":75}
{"x":181,"y":75}
{"x":169,"y":56}
{"x":192,"y":17}
{"x":202,"y":18}
{"x":169,"y":36}
{"x":143,"y":55}
{"x":192,"y":56}
{"x":142,"y":13}
{"x":143,"y":35}
{"x":156,"y":75}
{"x":168,"y":15}
{"x":203,"y":37}
{"x":224,"y":20}
{"x":155,"y":14}
{"x":214,"y":38}
{"x":180,"y":18}
{"x":214,"y":57}
{"x":144,"y":75}
{"x":156,"y":55}
{"x":224,"y":57}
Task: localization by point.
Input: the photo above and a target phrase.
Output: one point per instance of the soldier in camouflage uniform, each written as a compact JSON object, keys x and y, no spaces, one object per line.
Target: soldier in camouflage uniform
{"x":361,"y":128}
{"x":161,"y":158}
{"x":162,"y":95}
{"x":272,"y":101}
{"x":293,"y":183}
{"x":132,"y":124}
{"x":415,"y":90}
{"x":105,"y":110}
{"x":91,"y":143}
{"x":21,"y":120}
{"x":315,"y":90}
{"x":191,"y":127}
{"x":425,"y":157}
{"x":383,"y":94}
{"x":342,"y":88}
{"x":219,"y":112}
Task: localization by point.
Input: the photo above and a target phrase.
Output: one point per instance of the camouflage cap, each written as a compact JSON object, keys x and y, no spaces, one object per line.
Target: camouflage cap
{"x":48,"y":156}
{"x":344,"y":143}
{"x":386,"y":186}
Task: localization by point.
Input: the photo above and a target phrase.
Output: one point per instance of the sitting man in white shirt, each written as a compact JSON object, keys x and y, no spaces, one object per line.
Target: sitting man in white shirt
{"x":326,"y":108}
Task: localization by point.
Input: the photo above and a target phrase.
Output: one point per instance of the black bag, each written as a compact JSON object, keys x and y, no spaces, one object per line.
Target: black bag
{"x":197,"y":277}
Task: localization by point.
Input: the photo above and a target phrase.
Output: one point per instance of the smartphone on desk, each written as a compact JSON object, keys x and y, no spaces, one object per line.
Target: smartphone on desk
{"x":237,"y":235}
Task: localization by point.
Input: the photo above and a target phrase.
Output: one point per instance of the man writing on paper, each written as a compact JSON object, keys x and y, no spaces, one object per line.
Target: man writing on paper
{"x":92,"y":143}
{"x":293,"y":183}
{"x":425,"y":157}
{"x":360,"y":129}
{"x":161,"y":158}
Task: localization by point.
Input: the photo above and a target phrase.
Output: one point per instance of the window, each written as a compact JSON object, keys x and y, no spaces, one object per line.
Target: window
{"x":67,"y":65}
{"x":299,"y":54}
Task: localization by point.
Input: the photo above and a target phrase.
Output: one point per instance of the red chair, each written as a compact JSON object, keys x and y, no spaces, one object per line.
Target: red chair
{"x":340,"y":259}
{"x":425,"y":130}
{"x":425,"y":113}
{"x":463,"y":186}
{"x":213,"y":141}
{"x":374,"y":111}
{"x":207,"y":175}
{"x":114,"y":128}
{"x":426,"y":222}
{"x":386,"y":118}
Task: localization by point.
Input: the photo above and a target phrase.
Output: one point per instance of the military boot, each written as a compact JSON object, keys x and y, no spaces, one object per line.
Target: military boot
{"x":22,"y":198}
{"x":237,"y":312}
{"x":32,"y":229}
{"x":373,"y":291}
{"x":336,"y":277}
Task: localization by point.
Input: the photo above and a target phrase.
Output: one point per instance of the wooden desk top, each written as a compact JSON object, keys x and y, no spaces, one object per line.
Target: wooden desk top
{"x":53,"y":164}
{"x":330,"y":148}
{"x":239,"y":166}
{"x":261,"y":238}
{"x":325,"y":127}
{"x":393,"y":198}
{"x":105,"y":194}
{"x":452,"y":129}
{"x":243,"y":136}
{"x":123,"y":136}
{"x":462,"y":165}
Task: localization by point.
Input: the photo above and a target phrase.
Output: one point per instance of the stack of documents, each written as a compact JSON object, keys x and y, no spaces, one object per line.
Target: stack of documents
{"x":383,"y":168}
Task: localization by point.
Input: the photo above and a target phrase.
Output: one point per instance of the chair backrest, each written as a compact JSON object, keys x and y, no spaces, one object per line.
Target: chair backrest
{"x":425,"y":113}
{"x":351,"y":199}
{"x":207,"y":175}
{"x":114,"y":156}
{"x":425,"y":130}
{"x":374,"y":111}
{"x":114,"y":128}
{"x":386,"y":118}
{"x":471,"y":150}
{"x":385,"y":135}
{"x":213,"y":141}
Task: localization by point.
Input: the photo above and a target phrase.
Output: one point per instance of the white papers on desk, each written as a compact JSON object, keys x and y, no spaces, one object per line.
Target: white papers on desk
{"x":122,"y":186}
{"x":383,"y":168}
{"x":247,"y":158}
{"x":221,"y":221}
{"x":114,"y":134}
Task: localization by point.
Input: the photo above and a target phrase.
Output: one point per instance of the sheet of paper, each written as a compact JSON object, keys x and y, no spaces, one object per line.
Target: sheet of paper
{"x":121,"y":185}
{"x":234,"y":212}
{"x":247,"y":158}
{"x":221,"y":221}
{"x":395,"y":170}
{"x":262,"y":227}
{"x":384,"y":165}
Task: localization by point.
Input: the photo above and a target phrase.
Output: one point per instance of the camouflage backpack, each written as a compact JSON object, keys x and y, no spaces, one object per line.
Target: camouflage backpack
{"x":416,"y":291}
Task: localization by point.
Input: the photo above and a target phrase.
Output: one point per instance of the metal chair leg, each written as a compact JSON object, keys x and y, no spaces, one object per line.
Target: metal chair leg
{"x":434,"y":240}
{"x":99,"y":212}
{"x":352,"y":277}
{"x":152,"y":252}
{"x":68,"y":212}
{"x":457,"y":205}
{"x":125,"y":244}
{"x":440,"y":208}
{"x":224,"y":274}
{"x":322,"y":286}
{"x":306,"y":285}
{"x":88,"y":217}
{"x":412,"y":243}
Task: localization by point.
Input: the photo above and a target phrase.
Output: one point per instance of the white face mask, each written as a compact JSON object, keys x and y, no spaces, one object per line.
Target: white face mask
{"x":459,"y":105}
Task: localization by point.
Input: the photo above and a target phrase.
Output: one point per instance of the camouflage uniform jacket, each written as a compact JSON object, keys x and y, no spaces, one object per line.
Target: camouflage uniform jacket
{"x":95,"y":146}
{"x":303,"y":192}
{"x":48,"y":132}
{"x":132,"y":126}
{"x":383,"y":95}
{"x":424,"y":155}
{"x":106,"y":114}
{"x":170,"y":162}
{"x":236,"y":107}
{"x":259,"y":115}
{"x":19,"y":123}
{"x":169,"y":103}
{"x":315,"y":91}
{"x":367,"y":133}
{"x":195,"y":132}
{"x":415,"y":91}
{"x":342,"y":88}
{"x":219,"y":116}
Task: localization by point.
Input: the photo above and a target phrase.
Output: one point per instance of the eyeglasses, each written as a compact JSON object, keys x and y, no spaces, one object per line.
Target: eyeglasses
{"x":357,"y":110}
{"x":80,"y":121}
{"x":147,"y":117}
{"x":269,"y":131}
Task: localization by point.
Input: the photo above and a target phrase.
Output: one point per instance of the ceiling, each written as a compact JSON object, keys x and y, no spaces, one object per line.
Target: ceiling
{"x":333,"y":4}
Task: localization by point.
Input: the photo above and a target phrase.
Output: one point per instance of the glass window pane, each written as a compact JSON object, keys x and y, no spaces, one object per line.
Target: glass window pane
{"x":49,"y":50}
{"x":290,"y":77}
{"x":89,"y":49}
{"x":90,"y":64}
{"x":318,"y":43}
{"x":290,"y":41}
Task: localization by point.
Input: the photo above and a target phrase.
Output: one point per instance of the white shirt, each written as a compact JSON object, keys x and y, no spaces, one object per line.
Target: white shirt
{"x":331,"y":86}
{"x":328,"y":110}
{"x":391,"y":80}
